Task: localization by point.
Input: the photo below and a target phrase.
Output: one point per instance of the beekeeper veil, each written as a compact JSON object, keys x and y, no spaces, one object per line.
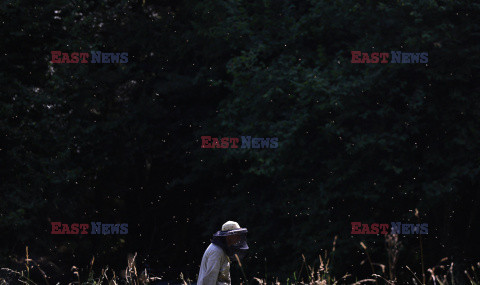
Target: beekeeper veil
{"x":237,"y":237}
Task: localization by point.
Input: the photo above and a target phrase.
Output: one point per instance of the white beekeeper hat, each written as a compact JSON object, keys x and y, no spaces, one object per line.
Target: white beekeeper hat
{"x":230,"y":225}
{"x":231,"y":228}
{"x":240,"y":246}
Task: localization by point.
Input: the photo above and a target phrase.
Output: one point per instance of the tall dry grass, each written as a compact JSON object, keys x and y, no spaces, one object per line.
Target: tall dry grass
{"x":108,"y":276}
{"x":440,"y":274}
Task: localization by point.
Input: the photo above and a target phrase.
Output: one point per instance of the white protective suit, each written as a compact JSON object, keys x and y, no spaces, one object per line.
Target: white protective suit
{"x":215,"y":267}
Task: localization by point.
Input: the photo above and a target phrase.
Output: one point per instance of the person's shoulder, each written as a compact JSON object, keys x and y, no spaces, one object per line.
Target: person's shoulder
{"x":215,"y":250}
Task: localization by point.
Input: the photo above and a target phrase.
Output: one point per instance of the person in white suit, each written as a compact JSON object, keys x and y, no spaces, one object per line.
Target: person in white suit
{"x":215,"y":266}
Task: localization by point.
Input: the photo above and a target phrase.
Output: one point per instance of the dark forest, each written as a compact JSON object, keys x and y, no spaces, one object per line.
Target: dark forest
{"x":124,"y":142}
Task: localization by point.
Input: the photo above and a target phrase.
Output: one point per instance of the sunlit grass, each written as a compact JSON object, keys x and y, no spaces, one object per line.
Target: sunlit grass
{"x":441,"y":274}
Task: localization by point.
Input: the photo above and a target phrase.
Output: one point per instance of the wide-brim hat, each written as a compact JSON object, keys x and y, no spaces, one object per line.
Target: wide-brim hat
{"x":231,"y":228}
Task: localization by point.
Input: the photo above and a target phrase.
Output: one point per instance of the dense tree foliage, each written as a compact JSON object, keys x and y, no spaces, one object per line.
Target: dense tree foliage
{"x":121,"y":143}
